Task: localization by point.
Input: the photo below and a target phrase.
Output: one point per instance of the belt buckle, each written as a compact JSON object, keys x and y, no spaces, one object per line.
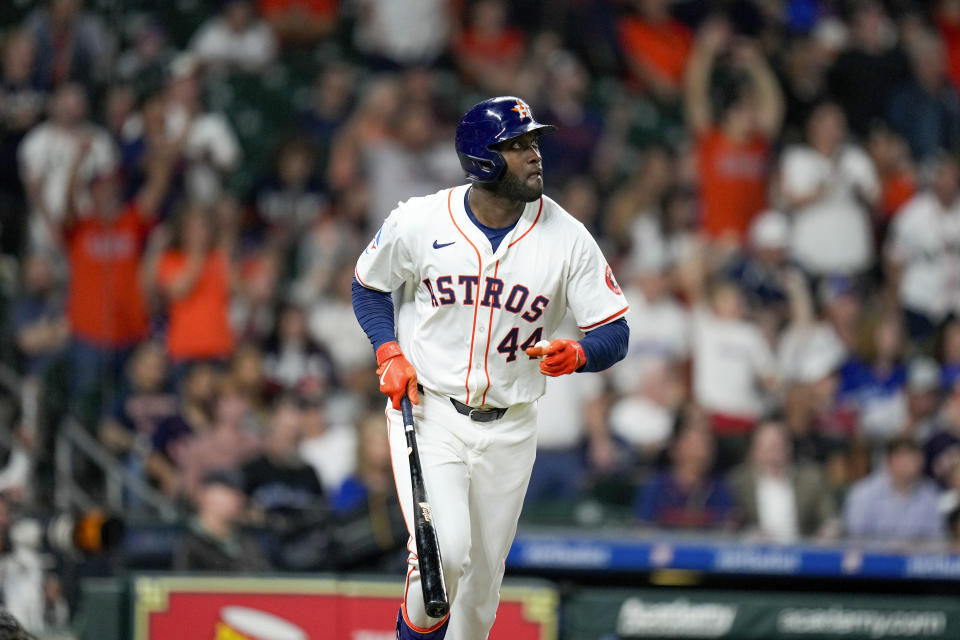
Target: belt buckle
{"x":470,"y":415}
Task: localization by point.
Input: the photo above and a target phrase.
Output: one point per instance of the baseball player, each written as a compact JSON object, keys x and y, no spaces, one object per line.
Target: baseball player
{"x":480,"y":276}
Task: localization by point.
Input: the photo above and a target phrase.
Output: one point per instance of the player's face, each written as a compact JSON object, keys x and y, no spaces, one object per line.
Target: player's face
{"x":523,"y":179}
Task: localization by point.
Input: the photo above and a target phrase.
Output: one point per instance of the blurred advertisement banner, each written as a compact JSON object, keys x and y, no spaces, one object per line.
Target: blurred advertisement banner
{"x":276,"y":608}
{"x":622,"y":614}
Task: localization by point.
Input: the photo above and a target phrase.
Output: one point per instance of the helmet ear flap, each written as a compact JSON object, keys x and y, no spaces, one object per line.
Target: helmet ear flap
{"x":483,"y":169}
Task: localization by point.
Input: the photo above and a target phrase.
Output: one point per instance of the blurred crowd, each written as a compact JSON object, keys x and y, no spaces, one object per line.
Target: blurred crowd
{"x":776,"y":185}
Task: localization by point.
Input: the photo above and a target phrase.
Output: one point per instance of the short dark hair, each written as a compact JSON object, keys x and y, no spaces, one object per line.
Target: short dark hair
{"x":10,"y":629}
{"x":902,"y":443}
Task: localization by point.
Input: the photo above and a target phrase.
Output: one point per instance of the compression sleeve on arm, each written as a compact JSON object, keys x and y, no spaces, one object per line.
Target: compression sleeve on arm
{"x":605,"y":345}
{"x":374,"y":311}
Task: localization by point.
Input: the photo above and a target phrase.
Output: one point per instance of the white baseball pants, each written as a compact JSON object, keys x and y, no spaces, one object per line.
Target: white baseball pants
{"x":476,"y":475}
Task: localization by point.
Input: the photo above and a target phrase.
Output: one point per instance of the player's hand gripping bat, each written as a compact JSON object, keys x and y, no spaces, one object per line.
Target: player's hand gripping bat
{"x":428,"y":548}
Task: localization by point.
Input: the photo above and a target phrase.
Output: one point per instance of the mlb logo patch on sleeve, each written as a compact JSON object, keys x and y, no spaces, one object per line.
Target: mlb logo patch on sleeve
{"x":376,"y":240}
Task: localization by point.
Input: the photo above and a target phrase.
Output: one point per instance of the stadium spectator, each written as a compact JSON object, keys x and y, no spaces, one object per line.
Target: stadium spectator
{"x":948,"y":349}
{"x":566,"y":440}
{"x":347,"y":344}
{"x":895,"y":170}
{"x":72,"y":44}
{"x":22,"y":570}
{"x":289,"y":200}
{"x":321,"y":251}
{"x":17,"y":464}
{"x":923,"y":398}
{"x":236,"y":39}
{"x":926,"y":109}
{"x":732,"y":363}
{"x":777,"y":498}
{"x":292,"y":360}
{"x":841,"y":302}
{"x":923,"y":251}
{"x":22,"y":104}
{"x":656,"y":48}
{"x":367,"y":504}
{"x":197,"y":395}
{"x":50,"y":150}
{"x":803,"y":78}
{"x":329,"y":109}
{"x":247,"y":374}
{"x":256,"y":289}
{"x":373,"y":479}
{"x":947,"y":18}
{"x":144,"y":139}
{"x":950,"y":495}
{"x":942,"y":447}
{"x":733,"y":140}
{"x":39,"y":315}
{"x":145,"y":400}
{"x":686,"y":494}
{"x":633,"y":210}
{"x":895,"y":503}
{"x":829,"y":187}
{"x":368,"y":123}
{"x":233,"y":439}
{"x":396,"y":35}
{"x":118,"y":106}
{"x":300,"y":23}
{"x":413,"y":161}
{"x":488,"y":49}
{"x":761,"y":271}
{"x":144,"y":64}
{"x":105,"y":304}
{"x":10,"y":628}
{"x":873,"y":382}
{"x":285,"y":492}
{"x":56,"y":610}
{"x":643,"y":418}
{"x":571,"y":148}
{"x":193,"y":274}
{"x":864,"y":75}
{"x":329,"y":447}
{"x":210,"y":146}
{"x":659,"y":325}
{"x":213,"y":540}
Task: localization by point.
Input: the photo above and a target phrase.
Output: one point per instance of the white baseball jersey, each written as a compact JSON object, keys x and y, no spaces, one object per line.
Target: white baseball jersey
{"x":475,"y":311}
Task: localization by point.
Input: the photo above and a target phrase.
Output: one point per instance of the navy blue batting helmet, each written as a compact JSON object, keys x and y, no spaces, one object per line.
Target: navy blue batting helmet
{"x":486,"y":125}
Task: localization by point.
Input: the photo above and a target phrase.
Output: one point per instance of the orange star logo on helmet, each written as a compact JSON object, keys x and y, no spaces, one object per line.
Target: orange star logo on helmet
{"x":523,"y":110}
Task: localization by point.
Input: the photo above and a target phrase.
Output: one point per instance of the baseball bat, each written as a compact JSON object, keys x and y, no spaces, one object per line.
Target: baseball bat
{"x":428,"y":548}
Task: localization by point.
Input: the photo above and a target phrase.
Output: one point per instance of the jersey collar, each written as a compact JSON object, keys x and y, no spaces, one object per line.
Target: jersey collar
{"x":528,"y":219}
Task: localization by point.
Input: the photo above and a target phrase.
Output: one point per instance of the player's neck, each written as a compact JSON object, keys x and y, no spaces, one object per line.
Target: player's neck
{"x":493,"y":210}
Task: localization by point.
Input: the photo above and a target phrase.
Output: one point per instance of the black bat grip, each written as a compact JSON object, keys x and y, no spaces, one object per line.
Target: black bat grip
{"x":428,"y":547}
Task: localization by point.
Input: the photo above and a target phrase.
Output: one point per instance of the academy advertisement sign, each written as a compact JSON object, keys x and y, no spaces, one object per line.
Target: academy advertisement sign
{"x":238,"y":608}
{"x":622,"y":614}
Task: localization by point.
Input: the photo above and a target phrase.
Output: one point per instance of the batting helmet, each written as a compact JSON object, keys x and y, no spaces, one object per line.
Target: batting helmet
{"x":486,"y":125}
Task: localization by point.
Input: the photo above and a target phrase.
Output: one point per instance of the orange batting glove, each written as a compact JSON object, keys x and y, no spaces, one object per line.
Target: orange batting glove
{"x":558,"y":357}
{"x":397,"y":376}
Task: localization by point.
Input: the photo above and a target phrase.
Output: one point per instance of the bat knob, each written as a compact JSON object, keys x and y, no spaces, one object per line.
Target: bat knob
{"x":437,"y":609}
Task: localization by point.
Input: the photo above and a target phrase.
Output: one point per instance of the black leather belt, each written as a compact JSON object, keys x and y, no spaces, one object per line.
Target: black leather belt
{"x":478,"y":415}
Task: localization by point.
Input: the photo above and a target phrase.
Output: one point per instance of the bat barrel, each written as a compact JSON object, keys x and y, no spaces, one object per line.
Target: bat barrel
{"x":428,"y":546}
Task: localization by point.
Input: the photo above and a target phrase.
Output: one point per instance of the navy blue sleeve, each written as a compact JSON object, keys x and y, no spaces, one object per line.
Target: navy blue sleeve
{"x":374,"y":311}
{"x":605,"y":345}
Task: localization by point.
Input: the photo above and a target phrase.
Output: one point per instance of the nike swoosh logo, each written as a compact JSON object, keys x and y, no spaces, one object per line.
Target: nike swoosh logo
{"x":384,"y":374}
{"x":436,"y":245}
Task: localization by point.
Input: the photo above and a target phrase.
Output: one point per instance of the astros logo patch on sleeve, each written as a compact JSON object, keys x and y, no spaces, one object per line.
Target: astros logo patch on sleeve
{"x":612,"y":282}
